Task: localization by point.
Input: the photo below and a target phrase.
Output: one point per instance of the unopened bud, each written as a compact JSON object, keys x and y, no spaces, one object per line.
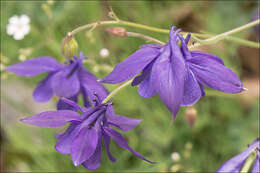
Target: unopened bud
{"x":69,"y":46}
{"x":117,"y":31}
{"x":191,"y":116}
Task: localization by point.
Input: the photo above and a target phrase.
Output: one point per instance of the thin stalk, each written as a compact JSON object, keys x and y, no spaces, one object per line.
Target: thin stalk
{"x":226,"y":35}
{"x":125,"y":23}
{"x":115,"y":91}
{"x":133,"y":34}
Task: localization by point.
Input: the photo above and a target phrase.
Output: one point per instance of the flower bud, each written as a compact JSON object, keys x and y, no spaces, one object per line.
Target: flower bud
{"x":117,"y":31}
{"x":69,"y":46}
{"x":191,"y":116}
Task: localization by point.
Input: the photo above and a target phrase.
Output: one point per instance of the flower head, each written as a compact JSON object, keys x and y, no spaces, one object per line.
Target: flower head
{"x":82,"y":139}
{"x":18,"y":27}
{"x":64,"y":80}
{"x":175,"y":73}
{"x":236,"y":163}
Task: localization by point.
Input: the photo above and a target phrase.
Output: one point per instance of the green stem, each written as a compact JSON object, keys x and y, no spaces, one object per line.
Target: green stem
{"x":115,"y":91}
{"x":226,"y":35}
{"x":249,"y":161}
{"x":131,"y":24}
{"x":146,"y":37}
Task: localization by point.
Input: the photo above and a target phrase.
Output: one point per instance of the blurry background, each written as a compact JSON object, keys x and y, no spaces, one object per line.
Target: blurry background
{"x":223,"y":124}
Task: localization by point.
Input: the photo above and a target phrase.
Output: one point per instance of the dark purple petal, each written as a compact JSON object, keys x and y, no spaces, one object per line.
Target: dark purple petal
{"x":86,"y":101}
{"x":215,"y":75}
{"x":91,"y":118}
{"x":91,"y":86}
{"x":167,"y":77}
{"x":132,"y":65}
{"x":122,"y":122}
{"x":192,"y":90}
{"x":256,"y":167}
{"x":94,"y":161}
{"x":65,"y":83}
{"x":184,"y":48}
{"x":84,"y":145}
{"x":121,"y":142}
{"x":202,"y":90}
{"x":34,"y":66}
{"x":146,"y":88}
{"x":53,"y":118}
{"x":236,"y":163}
{"x":187,"y":39}
{"x":106,"y":140}
{"x":145,"y":73}
{"x":65,"y":139}
{"x":198,"y":54}
{"x":69,"y":104}
{"x":43,"y":92}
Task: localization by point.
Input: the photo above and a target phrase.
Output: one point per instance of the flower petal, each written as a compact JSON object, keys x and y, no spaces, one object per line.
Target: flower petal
{"x":146,"y":88}
{"x":122,"y":122}
{"x":43,"y":92}
{"x":210,"y":72}
{"x":202,"y":90}
{"x":184,"y":47}
{"x":61,"y":105}
{"x":34,"y":66}
{"x":256,"y":167}
{"x":65,"y":83}
{"x":236,"y":163}
{"x":84,"y":145}
{"x":145,"y":73}
{"x":132,"y":65}
{"x":65,"y":139}
{"x":52,"y":118}
{"x":197,"y":53}
{"x":168,"y":77}
{"x":121,"y":142}
{"x":106,"y":140}
{"x":91,"y":86}
{"x":192,"y":90}
{"x":94,"y":161}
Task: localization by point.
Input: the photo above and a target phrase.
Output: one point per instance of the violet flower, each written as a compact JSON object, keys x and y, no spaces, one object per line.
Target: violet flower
{"x":82,"y":139}
{"x":64,"y":80}
{"x":236,"y":163}
{"x":175,"y":73}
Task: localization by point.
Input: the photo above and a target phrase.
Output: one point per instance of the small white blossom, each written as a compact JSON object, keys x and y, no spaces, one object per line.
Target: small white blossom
{"x":18,"y":26}
{"x":104,"y":52}
{"x":175,"y":156}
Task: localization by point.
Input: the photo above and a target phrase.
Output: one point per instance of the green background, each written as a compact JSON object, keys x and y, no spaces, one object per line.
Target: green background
{"x":224,"y":126}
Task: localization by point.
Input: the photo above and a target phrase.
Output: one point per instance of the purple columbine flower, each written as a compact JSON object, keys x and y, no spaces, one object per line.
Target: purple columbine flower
{"x":64,"y":80}
{"x":236,"y":163}
{"x":82,"y":139}
{"x":175,"y":73}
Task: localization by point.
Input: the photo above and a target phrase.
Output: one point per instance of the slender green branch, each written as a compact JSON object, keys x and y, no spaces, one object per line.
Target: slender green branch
{"x":233,"y":31}
{"x":115,"y":91}
{"x":226,"y":35}
{"x":249,"y":161}
{"x":133,"y":34}
{"x":131,"y":24}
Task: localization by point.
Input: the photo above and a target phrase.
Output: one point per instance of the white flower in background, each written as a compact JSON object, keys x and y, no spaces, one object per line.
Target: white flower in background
{"x":18,"y":26}
{"x":175,"y":156}
{"x":104,"y":52}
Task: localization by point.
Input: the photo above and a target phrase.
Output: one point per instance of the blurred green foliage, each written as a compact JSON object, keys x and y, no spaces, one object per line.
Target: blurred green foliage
{"x":223,"y":127}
